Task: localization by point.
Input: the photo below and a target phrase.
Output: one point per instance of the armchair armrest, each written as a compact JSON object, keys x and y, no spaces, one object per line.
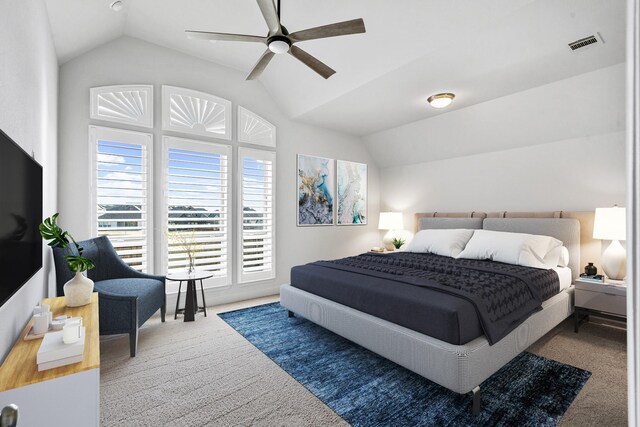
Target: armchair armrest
{"x":118,"y":313}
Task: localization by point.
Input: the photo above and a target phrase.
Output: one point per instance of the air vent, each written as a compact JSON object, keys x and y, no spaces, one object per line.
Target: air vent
{"x":586,"y":41}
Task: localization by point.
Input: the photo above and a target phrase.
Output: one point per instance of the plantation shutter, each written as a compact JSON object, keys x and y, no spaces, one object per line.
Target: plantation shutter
{"x":121,"y":175}
{"x":256,"y":249}
{"x":197,"y":207}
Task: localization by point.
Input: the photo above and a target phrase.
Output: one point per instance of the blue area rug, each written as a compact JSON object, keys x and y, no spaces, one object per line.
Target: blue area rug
{"x":368,"y":390}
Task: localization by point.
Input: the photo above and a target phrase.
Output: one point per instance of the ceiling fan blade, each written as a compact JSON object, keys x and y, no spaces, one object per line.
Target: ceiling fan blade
{"x":355,"y":26}
{"x":206,"y":35}
{"x":260,"y":65}
{"x":312,"y":62}
{"x":270,"y":14}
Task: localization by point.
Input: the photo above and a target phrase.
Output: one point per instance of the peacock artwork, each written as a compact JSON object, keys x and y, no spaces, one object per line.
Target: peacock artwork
{"x":352,"y":193}
{"x":316,"y":181}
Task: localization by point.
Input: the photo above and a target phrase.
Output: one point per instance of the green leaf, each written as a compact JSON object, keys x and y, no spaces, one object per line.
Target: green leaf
{"x":78,"y":263}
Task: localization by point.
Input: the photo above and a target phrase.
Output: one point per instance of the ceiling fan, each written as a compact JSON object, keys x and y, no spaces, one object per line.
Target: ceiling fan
{"x":279,"y":41}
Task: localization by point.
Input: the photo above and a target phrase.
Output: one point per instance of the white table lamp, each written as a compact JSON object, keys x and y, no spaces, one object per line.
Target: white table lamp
{"x":391,"y":221}
{"x":610,"y":224}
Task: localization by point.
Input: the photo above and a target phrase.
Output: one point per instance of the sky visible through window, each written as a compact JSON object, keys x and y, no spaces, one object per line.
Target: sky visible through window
{"x":197,"y":204}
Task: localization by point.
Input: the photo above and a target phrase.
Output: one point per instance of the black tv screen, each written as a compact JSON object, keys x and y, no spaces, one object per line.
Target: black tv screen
{"x":20,"y":215}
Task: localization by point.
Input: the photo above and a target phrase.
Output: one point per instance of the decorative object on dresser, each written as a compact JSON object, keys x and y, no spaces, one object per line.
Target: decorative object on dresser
{"x":67,"y":395}
{"x":610,"y":224}
{"x":352,"y":193}
{"x":316,"y":180}
{"x":603,"y":299}
{"x":128,"y":297}
{"x":391,"y":221}
{"x":77,"y":291}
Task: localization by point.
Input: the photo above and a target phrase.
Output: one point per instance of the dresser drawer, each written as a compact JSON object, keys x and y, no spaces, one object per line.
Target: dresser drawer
{"x":601,"y":301}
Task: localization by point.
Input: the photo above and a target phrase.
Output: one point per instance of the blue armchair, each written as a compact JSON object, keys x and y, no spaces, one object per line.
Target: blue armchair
{"x":128,"y":298}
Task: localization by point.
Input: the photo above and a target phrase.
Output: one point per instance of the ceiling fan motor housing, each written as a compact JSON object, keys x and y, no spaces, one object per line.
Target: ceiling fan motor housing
{"x":279,"y":44}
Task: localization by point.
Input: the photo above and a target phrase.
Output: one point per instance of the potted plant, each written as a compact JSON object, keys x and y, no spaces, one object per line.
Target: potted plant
{"x":397,"y":243}
{"x":77,"y":291}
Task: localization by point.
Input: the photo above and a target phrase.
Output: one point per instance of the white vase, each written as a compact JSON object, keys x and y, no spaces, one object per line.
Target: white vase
{"x":78,"y":290}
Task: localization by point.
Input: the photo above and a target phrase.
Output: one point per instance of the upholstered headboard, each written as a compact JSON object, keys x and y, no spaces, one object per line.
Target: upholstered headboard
{"x":565,"y":229}
{"x":575,"y":231}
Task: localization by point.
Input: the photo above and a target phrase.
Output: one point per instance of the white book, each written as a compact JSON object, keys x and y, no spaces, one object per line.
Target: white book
{"x":53,"y":348}
{"x":59,"y":362}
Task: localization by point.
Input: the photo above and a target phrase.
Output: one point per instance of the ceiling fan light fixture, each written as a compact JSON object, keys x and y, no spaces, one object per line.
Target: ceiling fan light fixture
{"x":279,"y":45}
{"x":441,"y":100}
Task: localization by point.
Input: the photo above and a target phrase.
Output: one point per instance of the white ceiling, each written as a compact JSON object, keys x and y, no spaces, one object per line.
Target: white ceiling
{"x":412,"y":48}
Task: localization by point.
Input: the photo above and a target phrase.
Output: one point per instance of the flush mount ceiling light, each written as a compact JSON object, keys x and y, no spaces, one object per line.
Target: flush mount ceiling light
{"x":440,"y":100}
{"x":116,"y":6}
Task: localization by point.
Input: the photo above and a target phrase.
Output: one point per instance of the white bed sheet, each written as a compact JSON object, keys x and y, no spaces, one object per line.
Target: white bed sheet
{"x":564,"y":273}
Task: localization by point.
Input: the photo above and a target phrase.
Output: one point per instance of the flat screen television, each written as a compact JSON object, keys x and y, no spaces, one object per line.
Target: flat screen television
{"x":20,"y":216}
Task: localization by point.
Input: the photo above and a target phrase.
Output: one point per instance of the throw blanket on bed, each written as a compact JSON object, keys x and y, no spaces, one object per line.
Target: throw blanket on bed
{"x":503,"y":295}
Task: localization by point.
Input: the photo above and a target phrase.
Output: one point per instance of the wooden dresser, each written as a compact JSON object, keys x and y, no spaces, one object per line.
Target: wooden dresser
{"x":68,"y":395}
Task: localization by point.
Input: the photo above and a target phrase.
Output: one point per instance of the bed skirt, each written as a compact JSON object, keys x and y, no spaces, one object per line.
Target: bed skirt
{"x":459,"y":368}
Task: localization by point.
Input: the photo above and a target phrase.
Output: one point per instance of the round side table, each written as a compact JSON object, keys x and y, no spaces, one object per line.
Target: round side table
{"x":191,"y":304}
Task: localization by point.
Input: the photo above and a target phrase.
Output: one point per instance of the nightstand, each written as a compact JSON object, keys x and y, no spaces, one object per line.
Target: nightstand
{"x":600,"y":299}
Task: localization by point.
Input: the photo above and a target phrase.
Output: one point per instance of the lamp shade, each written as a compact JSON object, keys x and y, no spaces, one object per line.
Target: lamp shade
{"x":390,"y":221}
{"x":610,"y":224}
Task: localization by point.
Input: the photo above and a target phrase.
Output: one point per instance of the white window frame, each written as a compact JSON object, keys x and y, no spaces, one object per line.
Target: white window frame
{"x":261,"y":275}
{"x":168,"y":91}
{"x":128,"y":136}
{"x":195,"y":145}
{"x":244,"y":114}
{"x":146,"y":100}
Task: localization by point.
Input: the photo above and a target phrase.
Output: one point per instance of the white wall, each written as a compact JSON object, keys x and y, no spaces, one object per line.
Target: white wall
{"x":584,"y":105}
{"x":131,"y":61}
{"x":554,"y":147}
{"x":28,"y":104}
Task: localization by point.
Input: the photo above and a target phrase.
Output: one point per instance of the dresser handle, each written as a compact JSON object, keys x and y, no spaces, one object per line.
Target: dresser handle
{"x":9,"y":416}
{"x":613,"y":295}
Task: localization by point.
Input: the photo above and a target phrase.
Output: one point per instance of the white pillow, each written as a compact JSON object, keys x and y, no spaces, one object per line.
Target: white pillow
{"x":446,"y":242}
{"x":563,"y":261}
{"x":527,"y":250}
{"x":552,"y":258}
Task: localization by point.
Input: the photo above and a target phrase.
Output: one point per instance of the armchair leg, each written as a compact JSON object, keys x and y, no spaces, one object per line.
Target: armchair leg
{"x":133,"y":342}
{"x":163,"y":311}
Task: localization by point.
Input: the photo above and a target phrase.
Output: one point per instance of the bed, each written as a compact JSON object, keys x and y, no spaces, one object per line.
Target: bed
{"x":459,"y":356}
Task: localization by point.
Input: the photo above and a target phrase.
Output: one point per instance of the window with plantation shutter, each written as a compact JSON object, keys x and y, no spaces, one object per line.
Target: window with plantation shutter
{"x":121,"y":176}
{"x":256,"y":216}
{"x":197,"y":194}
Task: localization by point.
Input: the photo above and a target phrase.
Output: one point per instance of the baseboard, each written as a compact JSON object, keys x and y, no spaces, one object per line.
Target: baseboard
{"x":226,"y":295}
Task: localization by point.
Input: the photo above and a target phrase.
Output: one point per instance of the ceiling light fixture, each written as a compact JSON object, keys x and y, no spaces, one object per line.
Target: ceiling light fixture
{"x":441,"y":100}
{"x":116,"y":6}
{"x":279,"y":44}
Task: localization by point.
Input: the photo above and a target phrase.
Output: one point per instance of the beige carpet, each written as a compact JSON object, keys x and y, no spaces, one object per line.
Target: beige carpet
{"x":204,"y":373}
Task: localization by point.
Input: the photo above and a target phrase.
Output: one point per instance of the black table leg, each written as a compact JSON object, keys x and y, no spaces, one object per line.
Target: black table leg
{"x":175,"y":316}
{"x":204,"y":303}
{"x":190,"y":307}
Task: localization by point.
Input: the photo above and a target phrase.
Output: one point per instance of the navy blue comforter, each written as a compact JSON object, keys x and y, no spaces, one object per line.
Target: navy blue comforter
{"x":454,"y":300}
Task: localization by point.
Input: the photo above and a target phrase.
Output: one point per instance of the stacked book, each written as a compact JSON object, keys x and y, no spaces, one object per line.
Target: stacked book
{"x":591,"y":278}
{"x":53,"y":352}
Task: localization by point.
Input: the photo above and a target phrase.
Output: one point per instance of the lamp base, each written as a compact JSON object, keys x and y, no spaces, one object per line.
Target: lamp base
{"x":387,"y":240}
{"x":614,"y":261}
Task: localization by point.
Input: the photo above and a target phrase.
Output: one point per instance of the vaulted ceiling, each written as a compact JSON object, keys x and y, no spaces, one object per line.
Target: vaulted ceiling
{"x":479,"y":50}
